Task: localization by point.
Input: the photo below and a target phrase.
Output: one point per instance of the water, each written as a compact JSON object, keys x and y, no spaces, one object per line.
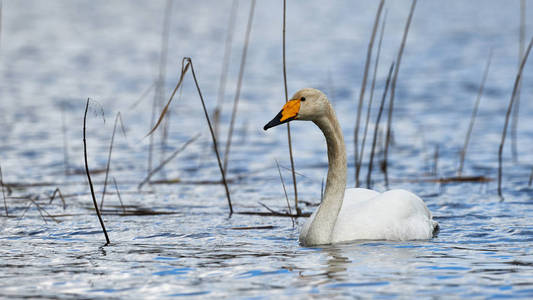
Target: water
{"x":56,"y":55}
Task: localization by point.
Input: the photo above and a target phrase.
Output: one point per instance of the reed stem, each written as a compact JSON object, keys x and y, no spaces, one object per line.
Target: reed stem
{"x":376,"y":128}
{"x":289,"y":137}
{"x":222,"y":171}
{"x":89,"y":175}
{"x":225,"y":66}
{"x":239,"y":84}
{"x":362,"y":92}
{"x":370,"y":101}
{"x":474,"y":114}
{"x":507,"y":117}
{"x":393,"y":93}
{"x":3,"y":191}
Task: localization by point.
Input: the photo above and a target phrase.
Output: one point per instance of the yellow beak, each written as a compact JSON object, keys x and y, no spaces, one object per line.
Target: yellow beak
{"x":288,"y":113}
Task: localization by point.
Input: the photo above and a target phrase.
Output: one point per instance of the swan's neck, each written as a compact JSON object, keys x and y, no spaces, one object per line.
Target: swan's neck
{"x":322,"y":225}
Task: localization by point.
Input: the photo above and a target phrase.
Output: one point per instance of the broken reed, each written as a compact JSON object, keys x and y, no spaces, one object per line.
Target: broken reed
{"x":289,"y":138}
{"x":393,"y":92}
{"x":376,"y":128}
{"x":474,"y":114}
{"x":57,"y":191}
{"x":89,"y":175}
{"x":117,"y":118}
{"x":118,"y":195}
{"x":185,"y":65}
{"x":239,"y":84}
{"x":508,"y":114}
{"x":167,"y":160}
{"x":362,"y":92}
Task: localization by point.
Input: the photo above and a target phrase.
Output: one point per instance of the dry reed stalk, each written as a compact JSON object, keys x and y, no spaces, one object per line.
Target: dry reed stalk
{"x":24,"y":212}
{"x":65,"y":142}
{"x":225,"y":66}
{"x":516,"y":110}
{"x":117,"y":118}
{"x":160,"y":87}
{"x":41,"y":210}
{"x":185,"y":65}
{"x":376,"y":128}
{"x":289,"y":137}
{"x":167,"y":160}
{"x":3,"y":191}
{"x":1,"y":8}
{"x":436,"y":160}
{"x":143,"y":95}
{"x":151,"y":140}
{"x":160,"y":82}
{"x":57,"y":191}
{"x":508,"y":114}
{"x":223,"y":173}
{"x":370,"y":101}
{"x":285,"y":191}
{"x":474,"y":114}
{"x":393,"y":92}
{"x":184,"y":69}
{"x":118,"y":194}
{"x":239,"y":84}
{"x":89,"y":175}
{"x":362,"y":92}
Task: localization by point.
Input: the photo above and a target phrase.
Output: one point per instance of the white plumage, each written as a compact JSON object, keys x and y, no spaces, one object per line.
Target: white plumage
{"x":368,"y":215}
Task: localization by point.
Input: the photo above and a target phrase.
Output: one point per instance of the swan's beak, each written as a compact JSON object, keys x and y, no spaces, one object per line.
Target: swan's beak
{"x":288,"y":113}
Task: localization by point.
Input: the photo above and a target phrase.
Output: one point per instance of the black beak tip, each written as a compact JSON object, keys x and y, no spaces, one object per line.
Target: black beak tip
{"x":274,"y":122}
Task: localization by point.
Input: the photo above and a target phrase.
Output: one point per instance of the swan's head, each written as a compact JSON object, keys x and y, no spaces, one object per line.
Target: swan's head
{"x":307,"y":104}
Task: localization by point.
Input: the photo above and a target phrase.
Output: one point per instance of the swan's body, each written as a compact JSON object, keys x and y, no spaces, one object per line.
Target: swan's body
{"x":352,"y":214}
{"x":368,"y":215}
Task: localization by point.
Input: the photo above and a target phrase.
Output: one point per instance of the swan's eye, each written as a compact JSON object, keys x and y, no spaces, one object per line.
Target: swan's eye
{"x":302,"y":99}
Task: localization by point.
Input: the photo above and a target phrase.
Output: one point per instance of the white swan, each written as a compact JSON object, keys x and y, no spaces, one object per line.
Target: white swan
{"x":356,"y":213}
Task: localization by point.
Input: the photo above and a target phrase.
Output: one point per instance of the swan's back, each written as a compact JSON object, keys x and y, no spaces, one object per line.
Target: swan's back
{"x":393,"y":215}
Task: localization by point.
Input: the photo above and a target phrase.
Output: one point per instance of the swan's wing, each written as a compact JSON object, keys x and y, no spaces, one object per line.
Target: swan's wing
{"x":393,"y":215}
{"x":358,"y":195}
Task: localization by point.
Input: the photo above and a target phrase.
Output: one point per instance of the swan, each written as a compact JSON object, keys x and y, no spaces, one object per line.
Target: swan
{"x":355,"y":213}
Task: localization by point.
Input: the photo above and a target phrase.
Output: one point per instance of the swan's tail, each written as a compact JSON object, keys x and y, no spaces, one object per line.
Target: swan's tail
{"x":436,"y":228}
